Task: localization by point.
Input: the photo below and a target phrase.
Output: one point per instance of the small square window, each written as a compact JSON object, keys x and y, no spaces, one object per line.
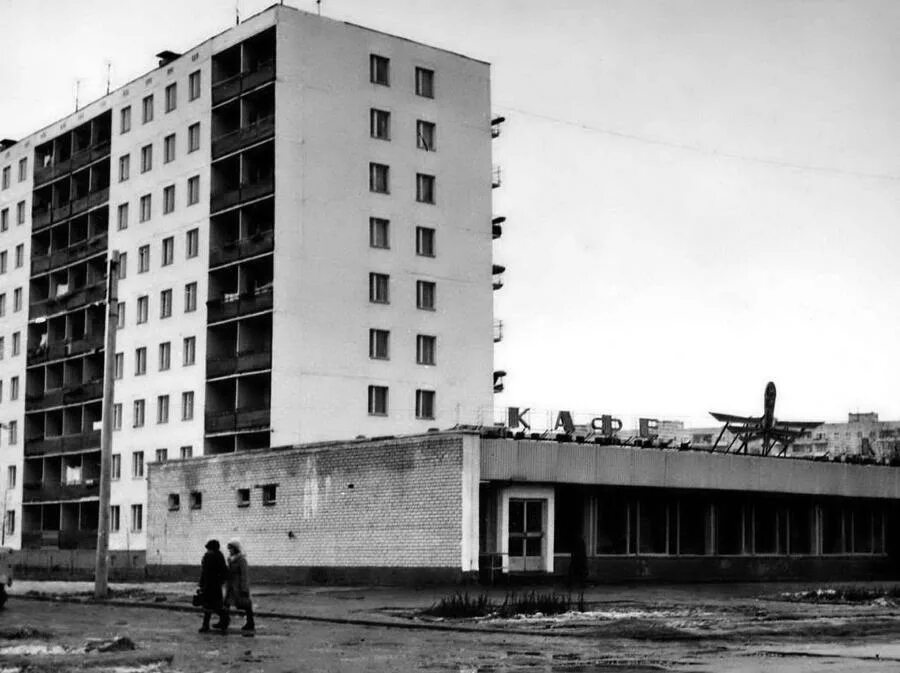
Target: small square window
{"x":125,"y":119}
{"x":186,"y":452}
{"x":168,"y":199}
{"x":425,"y":82}
{"x":424,"y":404}
{"x":269,"y":494}
{"x":194,"y":85}
{"x":169,"y":148}
{"x":171,"y":97}
{"x":174,"y":502}
{"x":194,"y":137}
{"x":425,"y":295}
{"x":379,"y":285}
{"x":379,"y":70}
{"x":379,"y":178}
{"x":378,"y":400}
{"x":425,"y":241}
{"x":162,"y":455}
{"x":243,"y":497}
{"x":379,"y":233}
{"x":147,"y":109}
{"x":193,"y":186}
{"x":425,"y":349}
{"x":196,"y":500}
{"x":424,"y":188}
{"x":380,"y":124}
{"x":379,"y":344}
{"x":146,"y":158}
{"x":425,"y":136}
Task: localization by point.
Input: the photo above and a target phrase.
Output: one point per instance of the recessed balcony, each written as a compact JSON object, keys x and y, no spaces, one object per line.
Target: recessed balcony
{"x":235,"y":85}
{"x":42,"y":491}
{"x":83,"y":296}
{"x":239,"y":363}
{"x":73,"y":253}
{"x":237,"y":305}
{"x":77,"y":443}
{"x":245,"y":418}
{"x":243,"y":137}
{"x":64,"y":349}
{"x":242,"y":248}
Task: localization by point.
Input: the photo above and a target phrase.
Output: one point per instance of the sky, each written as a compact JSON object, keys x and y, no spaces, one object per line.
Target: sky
{"x":700,"y":196}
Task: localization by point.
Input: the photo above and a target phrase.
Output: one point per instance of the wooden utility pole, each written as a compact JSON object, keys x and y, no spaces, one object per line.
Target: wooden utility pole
{"x":101,"y":573}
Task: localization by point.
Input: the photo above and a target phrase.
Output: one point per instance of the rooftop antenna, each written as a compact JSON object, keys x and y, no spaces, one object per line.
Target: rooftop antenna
{"x":319,"y":7}
{"x":77,"y":89}
{"x":108,"y":75}
{"x":237,"y":13}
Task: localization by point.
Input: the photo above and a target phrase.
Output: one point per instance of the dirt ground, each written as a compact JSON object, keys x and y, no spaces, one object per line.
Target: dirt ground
{"x":732,"y":629}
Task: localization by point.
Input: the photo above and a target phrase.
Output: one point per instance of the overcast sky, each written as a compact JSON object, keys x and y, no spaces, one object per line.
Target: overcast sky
{"x":701,"y":196}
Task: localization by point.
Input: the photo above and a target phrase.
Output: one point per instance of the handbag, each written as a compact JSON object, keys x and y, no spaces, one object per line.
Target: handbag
{"x":197,"y":600}
{"x":242,"y":601}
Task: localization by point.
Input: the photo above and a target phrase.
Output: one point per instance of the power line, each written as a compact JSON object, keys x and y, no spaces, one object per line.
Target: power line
{"x":699,"y":149}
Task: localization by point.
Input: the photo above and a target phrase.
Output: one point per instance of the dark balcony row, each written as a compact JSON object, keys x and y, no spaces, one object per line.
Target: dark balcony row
{"x":243,"y":137}
{"x":44,"y":215}
{"x":233,"y":306}
{"x":65,"y":349}
{"x":74,"y":253}
{"x":73,"y":394}
{"x":43,"y":491}
{"x":241,"y":419}
{"x":78,"y":160}
{"x":59,"y":539}
{"x":239,"y":363}
{"x":247,"y":192}
{"x":256,"y":244}
{"x":83,"y":296}
{"x":243,"y":82}
{"x":39,"y":446}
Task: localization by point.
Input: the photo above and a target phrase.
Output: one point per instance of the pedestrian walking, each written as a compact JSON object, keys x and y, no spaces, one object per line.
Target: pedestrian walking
{"x":213,"y":574}
{"x":238,"y":593}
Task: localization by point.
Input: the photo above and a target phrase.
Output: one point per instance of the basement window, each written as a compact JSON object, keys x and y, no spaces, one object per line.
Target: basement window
{"x":174,"y":502}
{"x":243,"y":497}
{"x":269,"y":494}
{"x":196,"y":500}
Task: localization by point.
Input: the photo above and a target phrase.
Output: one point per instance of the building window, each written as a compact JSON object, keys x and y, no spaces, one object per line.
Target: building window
{"x":6,"y":174}
{"x":169,"y":148}
{"x":144,"y":259}
{"x":120,"y":315}
{"x":143,"y":309}
{"x":125,"y":119}
{"x":186,"y":452}
{"x":122,"y":266}
{"x":162,"y":409}
{"x":146,"y":207}
{"x":146,"y":158}
{"x":194,"y":85}
{"x":187,"y":405}
{"x":192,"y":243}
{"x":379,"y":70}
{"x":425,"y":292}
{"x":194,"y":137}
{"x":23,"y":169}
{"x":16,"y":343}
{"x":147,"y":109}
{"x":424,"y":188}
{"x":14,"y":388}
{"x":190,"y":297}
{"x":122,"y":219}
{"x":13,"y":432}
{"x":165,"y":303}
{"x":243,"y":497}
{"x":425,"y":82}
{"x":20,"y":213}
{"x":379,"y":232}
{"x":425,"y":136}
{"x":140,"y":361}
{"x":378,"y":400}
{"x":162,"y":455}
{"x":189,"y":350}
{"x":137,"y":464}
{"x":124,"y":167}
{"x":165,"y":356}
{"x":379,"y":344}
{"x":115,"y":471}
{"x":171,"y":97}
{"x":196,"y":499}
{"x":174,"y":502}
{"x":425,"y":241}
{"x":114,"y":518}
{"x":424,"y":404}
{"x":17,"y":299}
{"x":269,"y":494}
{"x":138,"y":421}
{"x":119,"y":368}
{"x":379,"y":178}
{"x":117,"y":416}
{"x":379,"y":288}
{"x":168,"y":250}
{"x":193,"y":186}
{"x":4,"y":219}
{"x":11,"y":476}
{"x":137,"y":518}
{"x":3,"y":257}
{"x":425,"y":349}
{"x":168,"y":199}
{"x":9,"y":523}
{"x":2,"y":305}
{"x":380,"y":124}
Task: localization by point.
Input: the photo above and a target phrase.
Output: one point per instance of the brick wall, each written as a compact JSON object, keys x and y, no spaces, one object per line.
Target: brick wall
{"x":389,"y":503}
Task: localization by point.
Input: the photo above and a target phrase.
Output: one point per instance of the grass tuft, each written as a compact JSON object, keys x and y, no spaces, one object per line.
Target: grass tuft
{"x":462,"y":605}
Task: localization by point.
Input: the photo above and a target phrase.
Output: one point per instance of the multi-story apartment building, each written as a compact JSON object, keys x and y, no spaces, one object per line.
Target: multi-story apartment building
{"x":302,"y":213}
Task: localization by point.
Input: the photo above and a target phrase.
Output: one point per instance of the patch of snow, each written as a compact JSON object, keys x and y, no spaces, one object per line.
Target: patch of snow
{"x":30,"y":649}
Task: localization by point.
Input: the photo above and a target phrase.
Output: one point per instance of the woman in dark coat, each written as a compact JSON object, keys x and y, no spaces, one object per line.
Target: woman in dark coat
{"x":238,"y":592}
{"x":213,"y":574}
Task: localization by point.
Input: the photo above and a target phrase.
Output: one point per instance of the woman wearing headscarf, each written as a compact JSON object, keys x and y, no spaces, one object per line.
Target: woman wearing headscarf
{"x":238,"y":593}
{"x":213,"y":574}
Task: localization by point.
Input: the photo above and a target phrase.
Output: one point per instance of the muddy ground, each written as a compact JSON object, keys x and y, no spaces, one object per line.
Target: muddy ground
{"x":373,"y":630}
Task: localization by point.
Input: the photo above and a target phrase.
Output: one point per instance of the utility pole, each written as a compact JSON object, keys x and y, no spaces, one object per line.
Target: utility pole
{"x":101,"y":573}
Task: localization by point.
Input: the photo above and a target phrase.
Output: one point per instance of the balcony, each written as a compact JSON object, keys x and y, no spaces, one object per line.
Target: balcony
{"x":74,"y":253}
{"x":240,"y":363}
{"x":39,"y":446}
{"x":59,"y":539}
{"x":73,"y":163}
{"x":65,"y":349}
{"x":235,"y":305}
{"x":41,"y":491}
{"x":65,"y":396}
{"x":90,"y":294}
{"x":92,"y":200}
{"x":257,"y":244}
{"x":247,"y":192}
{"x":241,"y":419}
{"x":244,"y":136}
{"x":241,"y":83}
